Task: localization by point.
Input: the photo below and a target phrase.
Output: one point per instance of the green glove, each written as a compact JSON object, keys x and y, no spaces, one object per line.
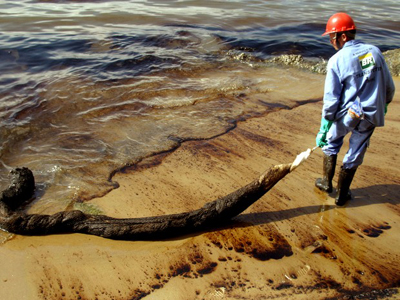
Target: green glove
{"x":386,"y":108}
{"x":321,"y":136}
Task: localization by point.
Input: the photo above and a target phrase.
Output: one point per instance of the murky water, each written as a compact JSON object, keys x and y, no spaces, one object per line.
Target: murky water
{"x":90,"y":87}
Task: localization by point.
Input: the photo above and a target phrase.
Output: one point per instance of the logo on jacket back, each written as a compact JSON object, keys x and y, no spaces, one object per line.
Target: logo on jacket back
{"x":366,"y":61}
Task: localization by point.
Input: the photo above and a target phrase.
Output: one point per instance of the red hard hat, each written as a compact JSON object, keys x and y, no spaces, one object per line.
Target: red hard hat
{"x":339,"y":22}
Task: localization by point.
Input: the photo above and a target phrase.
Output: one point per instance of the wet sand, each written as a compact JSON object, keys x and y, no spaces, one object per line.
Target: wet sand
{"x":293,"y":243}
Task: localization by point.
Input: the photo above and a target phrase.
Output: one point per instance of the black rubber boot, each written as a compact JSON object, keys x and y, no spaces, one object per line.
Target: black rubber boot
{"x":343,"y":189}
{"x":328,"y":170}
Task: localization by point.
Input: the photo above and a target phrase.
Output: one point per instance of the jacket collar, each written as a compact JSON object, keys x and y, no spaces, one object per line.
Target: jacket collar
{"x":351,"y":43}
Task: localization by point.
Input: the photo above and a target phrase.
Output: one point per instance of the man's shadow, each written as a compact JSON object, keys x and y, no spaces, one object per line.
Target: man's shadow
{"x":376,"y":194}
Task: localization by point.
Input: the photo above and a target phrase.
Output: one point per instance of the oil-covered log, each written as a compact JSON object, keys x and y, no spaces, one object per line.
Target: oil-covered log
{"x":21,"y":188}
{"x":211,"y":214}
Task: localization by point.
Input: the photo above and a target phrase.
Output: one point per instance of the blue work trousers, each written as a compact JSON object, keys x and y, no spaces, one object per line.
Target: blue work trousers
{"x":361,"y":131}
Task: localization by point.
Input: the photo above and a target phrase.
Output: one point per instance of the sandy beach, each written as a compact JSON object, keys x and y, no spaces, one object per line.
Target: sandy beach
{"x":293,"y":243}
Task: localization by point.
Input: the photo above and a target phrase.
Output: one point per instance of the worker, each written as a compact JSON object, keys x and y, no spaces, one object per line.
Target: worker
{"x":358,"y":88}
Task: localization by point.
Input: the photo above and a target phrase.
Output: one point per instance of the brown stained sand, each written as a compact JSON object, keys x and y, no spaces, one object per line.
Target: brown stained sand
{"x":291,"y":244}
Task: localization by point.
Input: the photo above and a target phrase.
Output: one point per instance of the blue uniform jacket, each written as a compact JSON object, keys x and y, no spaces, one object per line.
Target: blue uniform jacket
{"x":357,"y":70}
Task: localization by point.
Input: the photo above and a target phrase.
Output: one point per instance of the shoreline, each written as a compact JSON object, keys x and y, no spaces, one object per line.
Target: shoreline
{"x":294,"y":242}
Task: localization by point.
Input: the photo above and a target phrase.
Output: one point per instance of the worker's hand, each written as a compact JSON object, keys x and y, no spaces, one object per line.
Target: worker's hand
{"x":386,"y":106}
{"x":321,"y":139}
{"x":321,"y":136}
